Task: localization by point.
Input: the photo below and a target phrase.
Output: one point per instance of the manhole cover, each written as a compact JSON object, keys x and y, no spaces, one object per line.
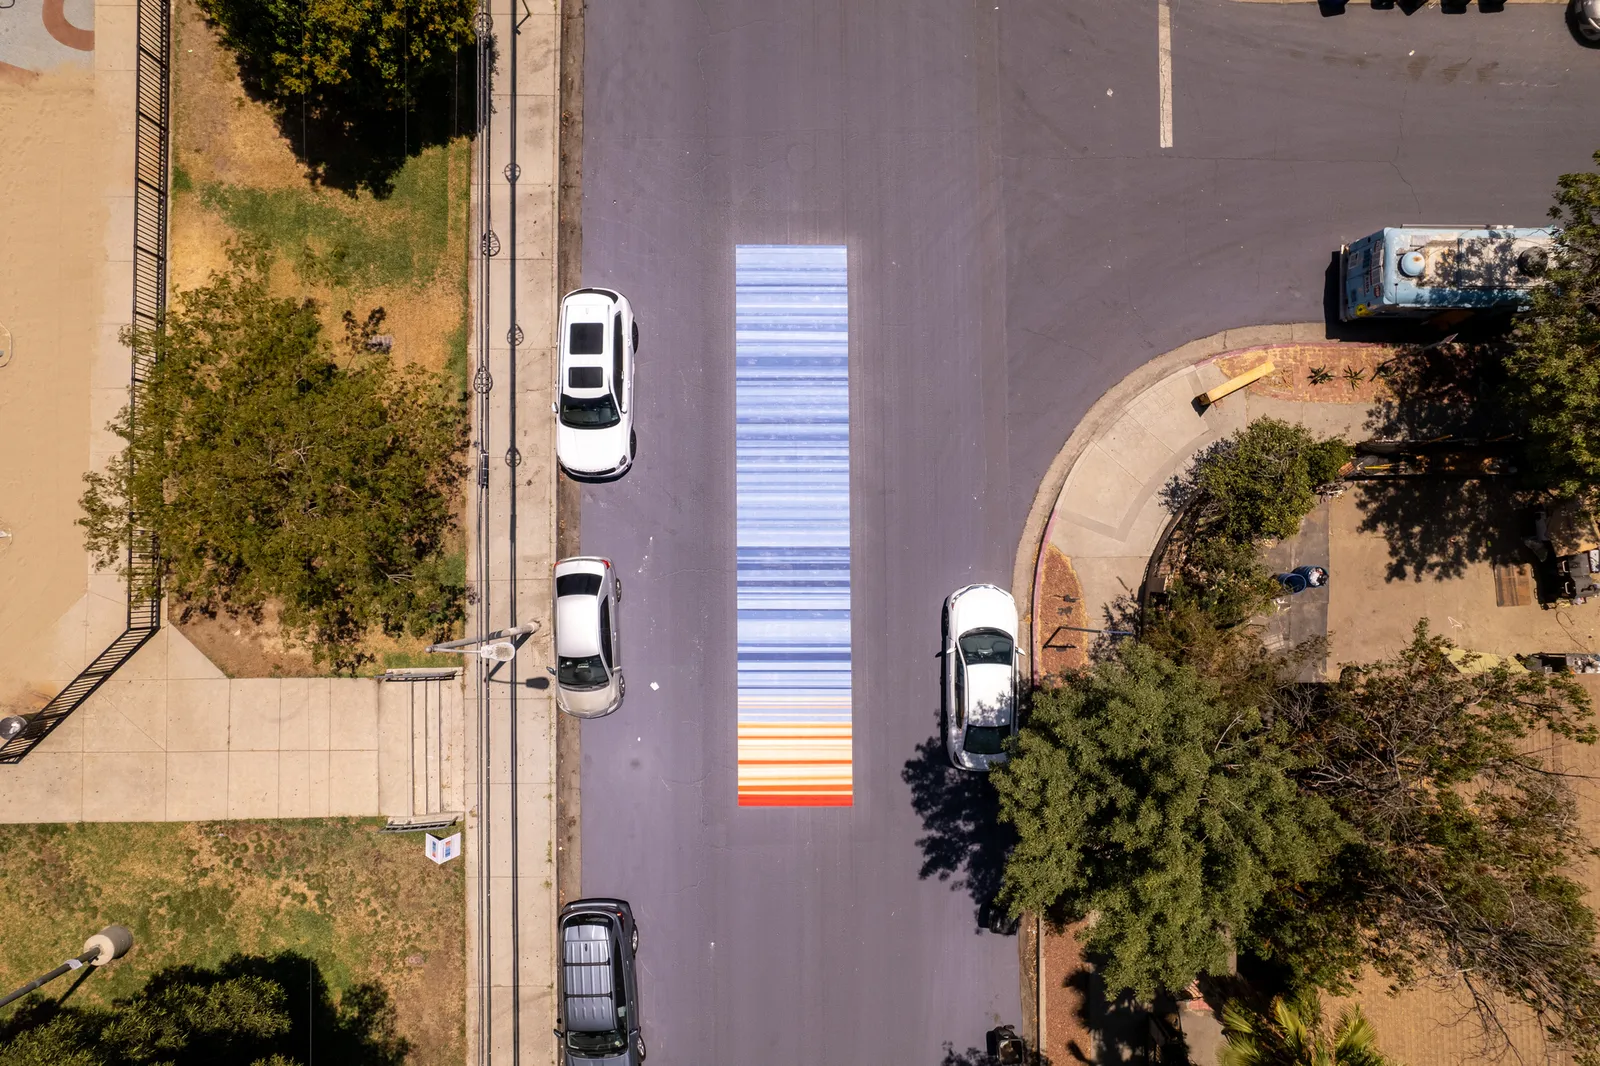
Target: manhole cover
{"x":5,"y":345}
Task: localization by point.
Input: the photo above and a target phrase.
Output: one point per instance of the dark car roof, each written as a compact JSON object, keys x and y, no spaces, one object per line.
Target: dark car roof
{"x":588,"y":947}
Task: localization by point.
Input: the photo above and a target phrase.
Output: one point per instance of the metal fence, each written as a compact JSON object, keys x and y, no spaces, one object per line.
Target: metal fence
{"x":150,"y":139}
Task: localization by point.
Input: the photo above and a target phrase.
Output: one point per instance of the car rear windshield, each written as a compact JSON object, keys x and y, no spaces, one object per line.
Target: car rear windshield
{"x":577,"y":584}
{"x":981,"y":647}
{"x":594,"y":413}
{"x":586,"y":338}
{"x":588,"y":672}
{"x":985,"y":739}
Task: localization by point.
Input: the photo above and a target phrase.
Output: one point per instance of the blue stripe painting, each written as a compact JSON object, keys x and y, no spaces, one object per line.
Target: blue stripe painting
{"x":792,"y":471}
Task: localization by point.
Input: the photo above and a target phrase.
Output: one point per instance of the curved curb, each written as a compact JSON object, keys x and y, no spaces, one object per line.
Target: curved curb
{"x":1026,"y":570}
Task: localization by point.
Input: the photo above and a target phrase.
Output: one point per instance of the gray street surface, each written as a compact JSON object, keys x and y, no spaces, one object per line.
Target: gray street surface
{"x":1018,"y":242}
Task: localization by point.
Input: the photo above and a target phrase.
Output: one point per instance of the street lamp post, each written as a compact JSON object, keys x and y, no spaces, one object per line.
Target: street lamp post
{"x":112,"y":942}
{"x":491,"y":646}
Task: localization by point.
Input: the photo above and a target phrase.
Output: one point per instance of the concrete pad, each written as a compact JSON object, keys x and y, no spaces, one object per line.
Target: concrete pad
{"x":126,"y":715}
{"x":317,"y":696}
{"x":1165,"y":410}
{"x":47,"y":786}
{"x":294,"y":714}
{"x":353,"y":783}
{"x":1105,"y":580}
{"x":124,"y":786}
{"x":1135,"y":449}
{"x":302,"y":790}
{"x":395,"y":770}
{"x":67,"y":736}
{"x":1098,"y":488}
{"x":197,"y":715}
{"x":197,"y":786}
{"x":254,"y":713}
{"x":252,"y":784}
{"x":352,"y":714}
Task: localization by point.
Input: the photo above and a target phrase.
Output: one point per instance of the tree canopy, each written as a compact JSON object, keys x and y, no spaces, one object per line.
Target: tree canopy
{"x":1261,"y":481}
{"x":353,"y":56}
{"x":1555,"y":358}
{"x":273,"y":467}
{"x":1144,"y":798}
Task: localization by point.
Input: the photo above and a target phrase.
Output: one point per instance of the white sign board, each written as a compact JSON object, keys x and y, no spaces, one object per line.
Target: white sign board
{"x":442,"y":851}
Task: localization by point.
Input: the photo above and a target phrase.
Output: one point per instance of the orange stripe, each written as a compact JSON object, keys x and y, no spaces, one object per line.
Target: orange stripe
{"x":796,"y":801}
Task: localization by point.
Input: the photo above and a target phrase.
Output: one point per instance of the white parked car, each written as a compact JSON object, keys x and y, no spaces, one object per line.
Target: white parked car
{"x":980,"y":675}
{"x":588,"y":671}
{"x":594,"y":386}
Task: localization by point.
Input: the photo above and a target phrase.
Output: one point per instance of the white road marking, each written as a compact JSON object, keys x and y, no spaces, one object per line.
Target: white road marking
{"x":1164,"y":49}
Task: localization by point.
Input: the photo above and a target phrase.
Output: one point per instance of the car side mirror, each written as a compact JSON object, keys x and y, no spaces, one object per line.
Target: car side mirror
{"x":557,"y":1032}
{"x":555,"y":408}
{"x":551,"y":670}
{"x":1020,"y":653}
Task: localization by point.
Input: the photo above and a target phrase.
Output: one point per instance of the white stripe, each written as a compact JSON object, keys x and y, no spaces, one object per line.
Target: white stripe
{"x":1164,"y":48}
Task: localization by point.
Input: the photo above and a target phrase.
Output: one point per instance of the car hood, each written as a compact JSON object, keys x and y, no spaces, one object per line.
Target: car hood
{"x":989,"y":695}
{"x":621,"y":1058}
{"x":597,"y":451}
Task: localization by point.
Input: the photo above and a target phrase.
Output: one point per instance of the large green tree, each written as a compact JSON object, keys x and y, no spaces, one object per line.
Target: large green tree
{"x":1141,"y":796}
{"x":1555,"y":359}
{"x":1463,"y":838}
{"x":352,"y":56}
{"x":1260,"y":481}
{"x":275,"y":467}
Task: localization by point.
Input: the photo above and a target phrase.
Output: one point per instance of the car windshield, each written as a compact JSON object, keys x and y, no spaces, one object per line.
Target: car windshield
{"x":597,"y":1043}
{"x":594,"y":412}
{"x":588,"y":672}
{"x":985,"y":739}
{"x":981,"y":647}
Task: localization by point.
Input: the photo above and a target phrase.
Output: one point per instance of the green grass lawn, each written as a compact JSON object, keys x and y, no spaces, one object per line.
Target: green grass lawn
{"x":365,"y":905}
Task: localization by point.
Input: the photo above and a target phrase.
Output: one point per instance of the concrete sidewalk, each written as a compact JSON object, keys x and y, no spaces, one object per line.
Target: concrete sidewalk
{"x":171,"y":739}
{"x":510,"y":838}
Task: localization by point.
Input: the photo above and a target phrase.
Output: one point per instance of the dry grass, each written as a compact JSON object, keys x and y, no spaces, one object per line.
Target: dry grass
{"x":366,"y":906}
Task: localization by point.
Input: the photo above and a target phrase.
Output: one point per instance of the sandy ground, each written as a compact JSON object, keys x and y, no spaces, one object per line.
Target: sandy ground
{"x":53,"y":230}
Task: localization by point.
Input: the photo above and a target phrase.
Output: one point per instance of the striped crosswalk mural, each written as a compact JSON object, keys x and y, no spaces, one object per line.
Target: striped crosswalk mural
{"x":792,"y":401}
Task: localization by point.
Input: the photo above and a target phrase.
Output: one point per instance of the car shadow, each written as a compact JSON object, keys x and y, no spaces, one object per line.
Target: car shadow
{"x":965,"y":843}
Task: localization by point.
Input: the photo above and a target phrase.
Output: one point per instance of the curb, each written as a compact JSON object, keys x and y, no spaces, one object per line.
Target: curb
{"x":1026,"y":571}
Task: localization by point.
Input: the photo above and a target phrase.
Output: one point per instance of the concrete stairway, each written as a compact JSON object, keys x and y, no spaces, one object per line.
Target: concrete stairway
{"x":422,"y":711}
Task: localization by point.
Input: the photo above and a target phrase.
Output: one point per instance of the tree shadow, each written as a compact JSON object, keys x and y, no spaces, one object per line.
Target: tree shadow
{"x":360,"y":1029}
{"x":1437,"y":529}
{"x":349,"y":143}
{"x":1000,"y":1049}
{"x":966,"y":843}
{"x":1455,"y":388}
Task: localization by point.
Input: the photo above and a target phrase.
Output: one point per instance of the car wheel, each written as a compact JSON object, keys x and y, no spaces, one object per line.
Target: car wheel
{"x":635,"y":940}
{"x":638,"y":1047}
{"x":622,"y":687}
{"x":636,"y":335}
{"x":633,"y":443}
{"x":617,"y":584}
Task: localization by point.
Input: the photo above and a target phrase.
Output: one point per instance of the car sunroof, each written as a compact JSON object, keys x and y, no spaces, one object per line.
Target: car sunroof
{"x":586,"y":377}
{"x":586,"y":338}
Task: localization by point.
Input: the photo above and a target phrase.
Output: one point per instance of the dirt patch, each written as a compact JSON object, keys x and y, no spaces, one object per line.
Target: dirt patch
{"x":1059,"y":648}
{"x":1067,"y":982}
{"x":364,"y":905}
{"x":1319,"y":373}
{"x":242,"y":648}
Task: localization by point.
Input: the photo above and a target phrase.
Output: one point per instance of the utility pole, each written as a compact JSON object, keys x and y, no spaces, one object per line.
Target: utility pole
{"x":112,"y":942}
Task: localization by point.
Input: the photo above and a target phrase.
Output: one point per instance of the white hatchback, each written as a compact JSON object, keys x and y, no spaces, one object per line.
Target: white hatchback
{"x":594,"y":385}
{"x":588,"y":615}
{"x":980,"y":675}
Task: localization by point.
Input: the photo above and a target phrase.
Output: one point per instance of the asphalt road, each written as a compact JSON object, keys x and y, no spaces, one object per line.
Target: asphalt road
{"x":1018,"y":243}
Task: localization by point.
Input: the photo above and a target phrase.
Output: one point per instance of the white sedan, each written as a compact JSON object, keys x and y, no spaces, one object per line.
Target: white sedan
{"x":589,"y":681}
{"x":594,"y":387}
{"x":980,"y":675}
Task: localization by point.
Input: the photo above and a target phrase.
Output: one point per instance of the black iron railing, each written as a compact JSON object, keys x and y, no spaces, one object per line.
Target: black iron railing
{"x":150,"y":140}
